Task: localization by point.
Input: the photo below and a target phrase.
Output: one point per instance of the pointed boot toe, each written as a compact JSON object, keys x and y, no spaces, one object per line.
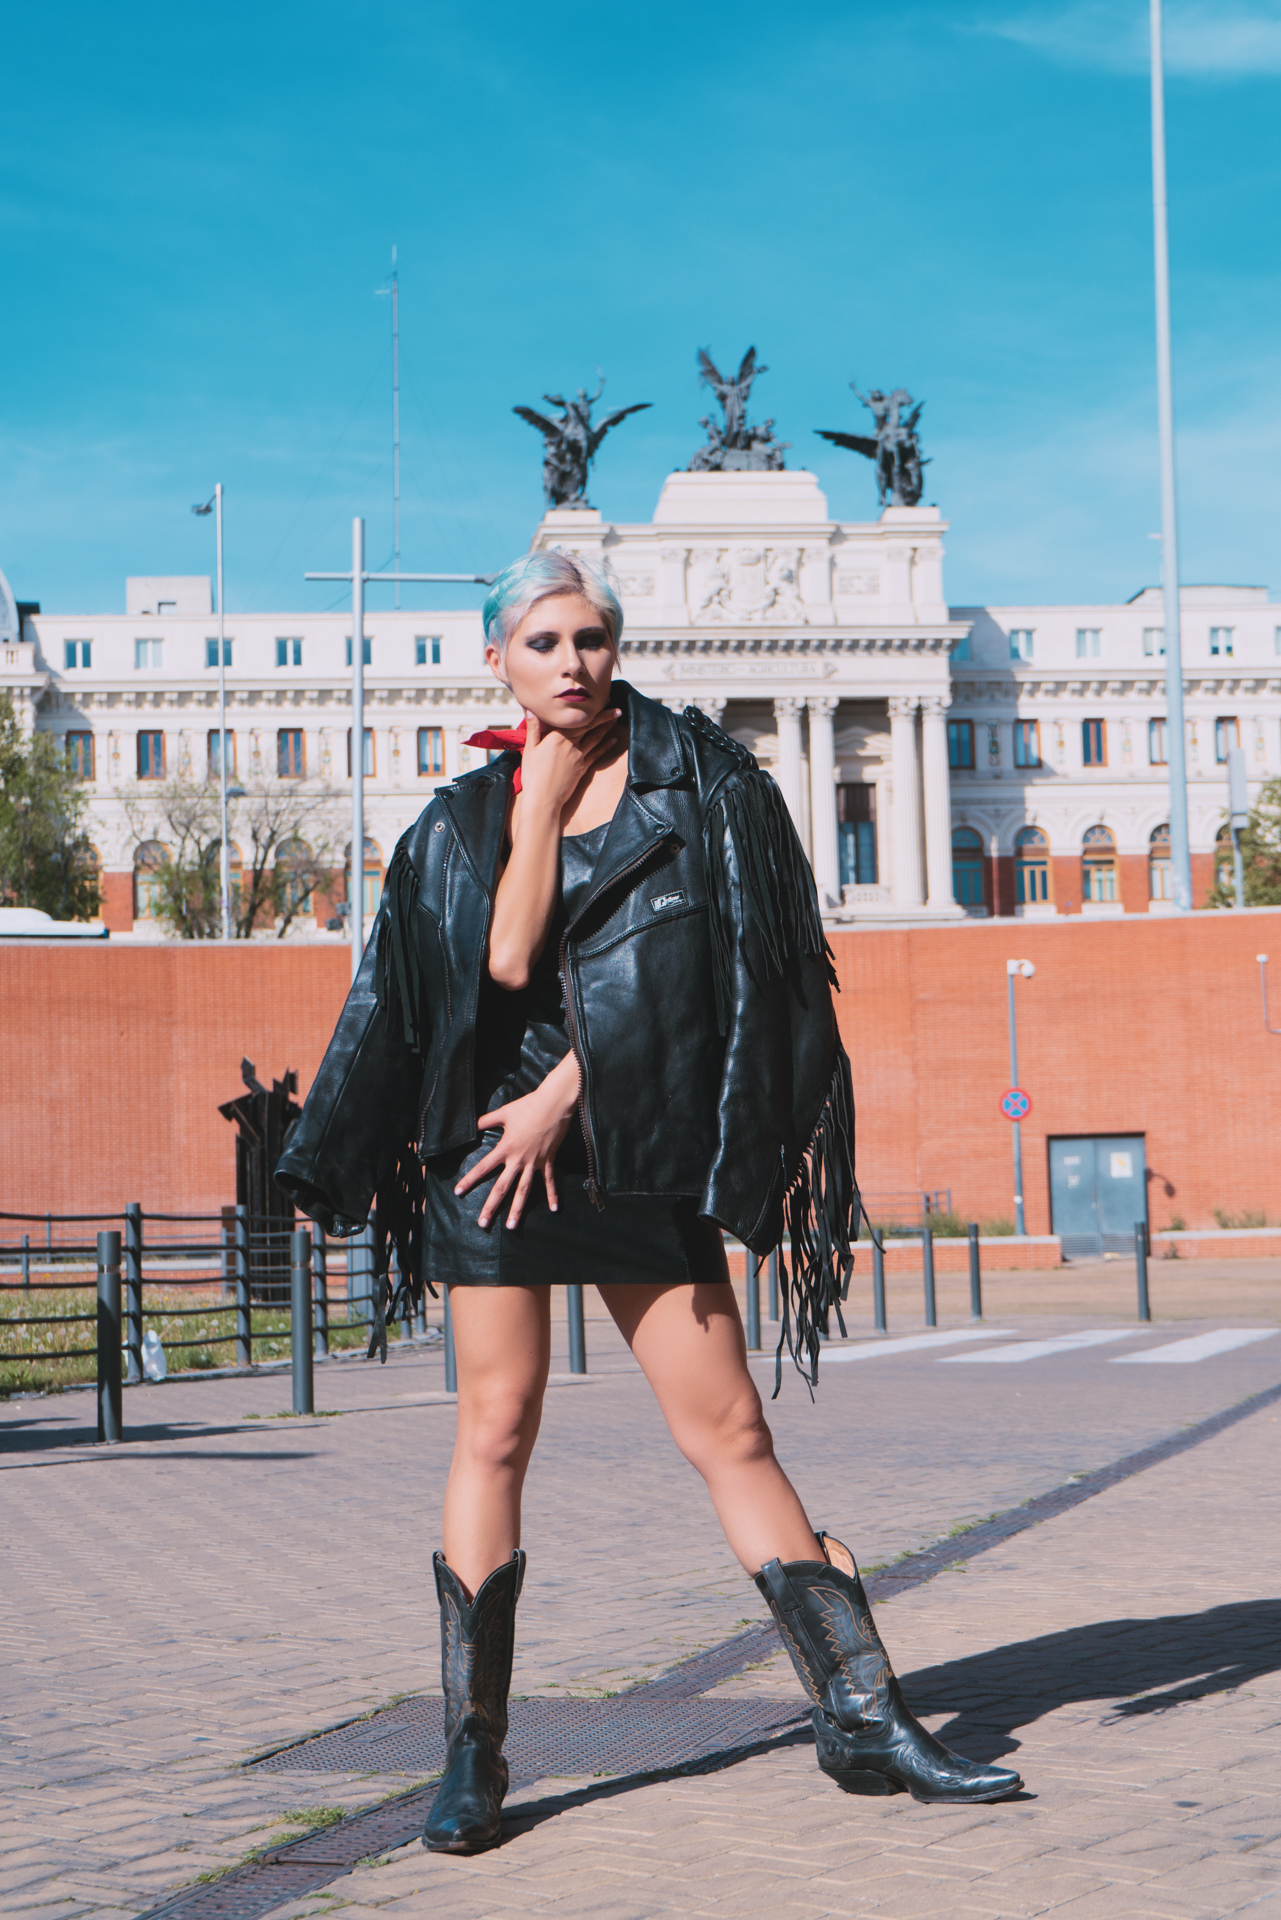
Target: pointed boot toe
{"x":899,"y":1756}
{"x":477,"y":1638}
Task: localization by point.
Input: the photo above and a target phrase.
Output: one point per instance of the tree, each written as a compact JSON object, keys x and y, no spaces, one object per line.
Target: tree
{"x":46,"y":860}
{"x":291,"y":828}
{"x":1260,"y":856}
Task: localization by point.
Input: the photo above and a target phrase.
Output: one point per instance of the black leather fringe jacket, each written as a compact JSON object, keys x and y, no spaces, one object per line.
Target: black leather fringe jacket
{"x":697,"y":987}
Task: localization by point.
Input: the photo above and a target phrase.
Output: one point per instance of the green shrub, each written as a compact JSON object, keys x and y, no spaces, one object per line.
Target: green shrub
{"x":1248,"y":1217}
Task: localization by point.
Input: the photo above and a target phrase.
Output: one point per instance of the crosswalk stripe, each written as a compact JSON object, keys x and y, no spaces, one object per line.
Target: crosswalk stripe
{"x":1202,"y":1346}
{"x":907,"y":1343}
{"x":1042,"y":1349}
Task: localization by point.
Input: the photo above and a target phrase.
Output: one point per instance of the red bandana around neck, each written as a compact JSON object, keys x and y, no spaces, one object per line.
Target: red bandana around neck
{"x":496,"y":739}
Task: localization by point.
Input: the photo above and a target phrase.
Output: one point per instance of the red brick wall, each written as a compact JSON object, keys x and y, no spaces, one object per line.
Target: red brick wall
{"x":114,"y":1059}
{"x":116,"y":908}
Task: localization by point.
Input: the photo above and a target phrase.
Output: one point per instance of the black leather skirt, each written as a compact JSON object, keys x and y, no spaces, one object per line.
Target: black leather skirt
{"x":645,"y":1239}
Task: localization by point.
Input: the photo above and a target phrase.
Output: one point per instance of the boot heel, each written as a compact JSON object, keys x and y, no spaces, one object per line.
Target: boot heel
{"x":839,"y":1763}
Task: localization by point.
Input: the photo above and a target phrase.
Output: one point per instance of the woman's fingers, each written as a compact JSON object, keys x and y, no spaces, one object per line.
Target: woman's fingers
{"x":494,"y":1158}
{"x":549,"y":1181}
{"x":522,"y":1194}
{"x":501,"y":1186}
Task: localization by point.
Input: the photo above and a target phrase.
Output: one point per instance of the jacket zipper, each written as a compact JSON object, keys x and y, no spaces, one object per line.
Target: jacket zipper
{"x":591,"y":1185}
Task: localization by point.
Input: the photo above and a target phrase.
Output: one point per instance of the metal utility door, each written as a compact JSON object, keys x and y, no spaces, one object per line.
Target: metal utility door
{"x":1098,"y":1190}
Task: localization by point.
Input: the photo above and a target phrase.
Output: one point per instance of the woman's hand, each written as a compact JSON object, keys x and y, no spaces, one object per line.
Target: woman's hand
{"x":532,"y":1128}
{"x":554,"y":765}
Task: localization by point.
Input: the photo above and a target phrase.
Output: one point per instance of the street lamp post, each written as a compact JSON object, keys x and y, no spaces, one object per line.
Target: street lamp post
{"x":1176,"y":744}
{"x":1013,"y":967}
{"x":224,"y":856}
{"x":358,"y":578}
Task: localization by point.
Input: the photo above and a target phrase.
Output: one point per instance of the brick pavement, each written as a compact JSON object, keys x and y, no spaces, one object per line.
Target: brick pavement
{"x":227,"y":1582}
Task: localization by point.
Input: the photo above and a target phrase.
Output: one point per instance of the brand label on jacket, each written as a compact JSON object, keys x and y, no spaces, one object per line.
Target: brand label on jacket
{"x":663,"y":900}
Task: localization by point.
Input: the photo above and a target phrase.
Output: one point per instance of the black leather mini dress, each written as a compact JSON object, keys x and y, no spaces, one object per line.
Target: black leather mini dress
{"x":641,"y":1238}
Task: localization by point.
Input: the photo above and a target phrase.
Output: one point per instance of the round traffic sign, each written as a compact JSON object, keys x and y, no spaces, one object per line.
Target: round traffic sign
{"x":1015,"y":1104}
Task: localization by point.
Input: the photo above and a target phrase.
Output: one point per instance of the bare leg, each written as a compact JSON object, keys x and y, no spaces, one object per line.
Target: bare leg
{"x":689,"y":1342}
{"x":502,"y":1342}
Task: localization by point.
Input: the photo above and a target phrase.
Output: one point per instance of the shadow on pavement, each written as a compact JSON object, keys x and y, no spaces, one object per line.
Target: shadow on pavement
{"x":31,"y":1436}
{"x":1136,"y":1667}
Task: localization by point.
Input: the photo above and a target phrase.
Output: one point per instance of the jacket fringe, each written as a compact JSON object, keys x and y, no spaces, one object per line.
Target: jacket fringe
{"x":398,"y":1224}
{"x":777,"y":920}
{"x":821,"y":1215}
{"x":398,"y":981}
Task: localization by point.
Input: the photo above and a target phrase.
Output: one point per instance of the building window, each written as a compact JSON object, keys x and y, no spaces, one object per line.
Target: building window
{"x":1276,"y":638}
{"x":1160,"y":872}
{"x":1094,"y":743}
{"x":294,"y":872}
{"x":79,"y":653}
{"x":148,"y":654}
{"x":1098,"y":865}
{"x":960,"y":744}
{"x":1221,"y":640}
{"x":289,"y":753}
{"x":961,"y":651}
{"x":1021,"y":643}
{"x":80,"y":755}
{"x":427,"y":650}
{"x":151,"y":756}
{"x":856,"y":834}
{"x":289,"y":653}
{"x":1224,"y":865}
{"x":211,"y":653}
{"x":369,"y":753}
{"x":969,"y":869}
{"x":431,"y":751}
{"x":1158,"y":750}
{"x":1027,"y":743}
{"x":1031,"y":867}
{"x":368,"y":656}
{"x":1227,"y":734}
{"x":373,"y":876}
{"x":1088,"y":643}
{"x":213,"y":748}
{"x":1153,"y":640}
{"x":149,"y":864}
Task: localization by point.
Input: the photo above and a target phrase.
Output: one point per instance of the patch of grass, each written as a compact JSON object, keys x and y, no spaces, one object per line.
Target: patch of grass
{"x":1233,"y":1222}
{"x":998,"y":1229}
{"x":314,"y":1817}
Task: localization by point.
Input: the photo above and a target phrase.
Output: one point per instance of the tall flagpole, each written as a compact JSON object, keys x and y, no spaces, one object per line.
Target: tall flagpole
{"x":1176,"y":740}
{"x":224,"y":853}
{"x":357,"y":893}
{"x":395,"y":421}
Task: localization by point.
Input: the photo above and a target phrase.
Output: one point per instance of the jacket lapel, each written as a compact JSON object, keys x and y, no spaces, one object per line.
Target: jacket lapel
{"x":478,"y":808}
{"x":654,"y":760}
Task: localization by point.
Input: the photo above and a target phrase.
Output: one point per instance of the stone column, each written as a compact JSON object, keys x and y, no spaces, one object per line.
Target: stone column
{"x":826,"y":857}
{"x":907,"y":804}
{"x":787,"y":718}
{"x":936,"y":781}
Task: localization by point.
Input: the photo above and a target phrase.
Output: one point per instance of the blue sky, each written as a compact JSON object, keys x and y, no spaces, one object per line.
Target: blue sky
{"x":198,"y":204}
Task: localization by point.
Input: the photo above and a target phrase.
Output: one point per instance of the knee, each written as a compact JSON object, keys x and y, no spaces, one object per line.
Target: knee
{"x":728,"y":1436}
{"x":496,"y":1428}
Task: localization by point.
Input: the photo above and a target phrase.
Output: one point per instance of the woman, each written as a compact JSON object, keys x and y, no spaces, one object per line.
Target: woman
{"x":594,"y":1028}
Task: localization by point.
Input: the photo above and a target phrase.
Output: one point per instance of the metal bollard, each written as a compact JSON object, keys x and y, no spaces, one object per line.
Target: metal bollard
{"x":927,"y":1250}
{"x":773,"y":1284}
{"x":320,"y":1295}
{"x":976,"y":1274}
{"x":244,"y":1307}
{"x":133,"y":1292}
{"x":1141,"y":1267}
{"x":577,"y":1331}
{"x":878,"y":1284}
{"x":451,"y":1364}
{"x":26,"y":1260}
{"x":753,"y":1302}
{"x":300,"y":1321}
{"x":110,"y":1388}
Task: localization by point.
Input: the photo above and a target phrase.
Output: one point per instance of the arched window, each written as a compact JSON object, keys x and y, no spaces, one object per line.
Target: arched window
{"x":1098,"y":865}
{"x":149,"y":863}
{"x":373,"y":876}
{"x":1160,"y":872}
{"x":295,"y":871}
{"x":1031,"y":867}
{"x":968,"y":868}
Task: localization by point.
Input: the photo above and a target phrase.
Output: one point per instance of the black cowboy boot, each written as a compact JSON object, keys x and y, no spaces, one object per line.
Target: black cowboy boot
{"x":476,"y":1641}
{"x":868,"y":1740}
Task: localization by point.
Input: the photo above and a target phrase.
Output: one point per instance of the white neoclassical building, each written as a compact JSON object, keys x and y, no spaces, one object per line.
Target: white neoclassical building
{"x":938,"y":762}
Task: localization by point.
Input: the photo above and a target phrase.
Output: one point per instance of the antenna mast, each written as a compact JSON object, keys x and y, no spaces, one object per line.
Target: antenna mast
{"x":395,"y":420}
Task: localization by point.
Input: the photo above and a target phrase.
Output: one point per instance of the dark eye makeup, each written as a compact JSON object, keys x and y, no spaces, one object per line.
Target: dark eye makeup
{"x":589,"y":640}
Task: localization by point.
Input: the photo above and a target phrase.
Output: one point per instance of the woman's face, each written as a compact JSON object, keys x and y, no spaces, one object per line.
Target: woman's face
{"x":559,"y":662}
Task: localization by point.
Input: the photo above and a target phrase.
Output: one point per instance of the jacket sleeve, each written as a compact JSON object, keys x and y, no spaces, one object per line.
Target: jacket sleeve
{"x":784,"y":1165}
{"x":361,"y":1110}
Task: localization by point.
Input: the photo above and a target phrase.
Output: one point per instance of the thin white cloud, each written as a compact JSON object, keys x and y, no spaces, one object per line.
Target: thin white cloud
{"x":1212,"y":39}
